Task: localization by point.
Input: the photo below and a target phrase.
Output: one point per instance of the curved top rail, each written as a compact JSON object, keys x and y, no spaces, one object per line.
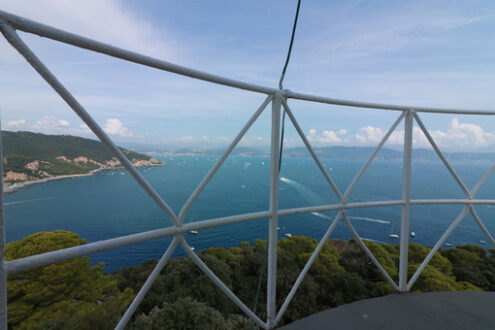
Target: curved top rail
{"x":30,"y":26}
{"x":382,"y":106}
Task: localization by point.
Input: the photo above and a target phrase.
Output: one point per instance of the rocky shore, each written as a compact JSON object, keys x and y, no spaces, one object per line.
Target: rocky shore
{"x":14,"y":181}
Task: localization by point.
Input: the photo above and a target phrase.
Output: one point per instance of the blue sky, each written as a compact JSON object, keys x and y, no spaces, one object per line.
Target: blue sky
{"x":430,"y":53}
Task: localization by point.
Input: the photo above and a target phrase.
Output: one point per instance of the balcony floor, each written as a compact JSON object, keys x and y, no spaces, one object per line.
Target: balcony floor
{"x":433,"y":310}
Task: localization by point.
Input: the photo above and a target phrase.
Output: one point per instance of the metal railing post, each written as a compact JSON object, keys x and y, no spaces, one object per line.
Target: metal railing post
{"x":406,"y":197}
{"x":218,"y":282}
{"x":147,"y":285}
{"x":3,"y":266}
{"x":271,"y":289}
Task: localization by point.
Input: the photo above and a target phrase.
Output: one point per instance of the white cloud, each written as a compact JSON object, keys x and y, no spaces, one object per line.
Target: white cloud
{"x":251,"y":141}
{"x":463,"y":135}
{"x":108,"y":21}
{"x":63,"y":123}
{"x":16,"y":123}
{"x":419,"y":138}
{"x":331,"y":137}
{"x":328,"y":136}
{"x":369,"y":135}
{"x":456,"y":137}
{"x":55,"y":125}
{"x":84,"y":126}
{"x":114,"y":126}
{"x":50,"y":125}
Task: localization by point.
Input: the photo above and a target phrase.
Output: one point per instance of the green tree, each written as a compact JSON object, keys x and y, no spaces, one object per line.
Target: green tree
{"x":431,"y":279}
{"x":187,"y":313}
{"x":341,"y":274}
{"x":471,"y":263}
{"x":56,"y":290}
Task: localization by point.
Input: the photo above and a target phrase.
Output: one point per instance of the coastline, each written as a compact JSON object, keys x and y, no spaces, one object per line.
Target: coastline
{"x":12,"y":188}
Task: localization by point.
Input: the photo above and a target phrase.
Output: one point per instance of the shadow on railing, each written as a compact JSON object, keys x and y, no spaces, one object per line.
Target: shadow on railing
{"x":278,"y":99}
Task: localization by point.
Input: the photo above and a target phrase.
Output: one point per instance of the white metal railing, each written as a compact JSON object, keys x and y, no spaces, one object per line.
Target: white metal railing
{"x":278,"y":98}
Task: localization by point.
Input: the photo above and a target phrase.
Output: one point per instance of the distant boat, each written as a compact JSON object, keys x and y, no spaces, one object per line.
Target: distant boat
{"x":482,"y":241}
{"x":278,"y":228}
{"x":192,"y":248}
{"x":194,"y":232}
{"x":448,"y":244}
{"x":391,"y":235}
{"x":288,"y":235}
{"x":413,"y":234}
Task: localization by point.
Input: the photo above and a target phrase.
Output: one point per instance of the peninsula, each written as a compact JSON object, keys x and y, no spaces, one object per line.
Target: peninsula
{"x":34,"y":157}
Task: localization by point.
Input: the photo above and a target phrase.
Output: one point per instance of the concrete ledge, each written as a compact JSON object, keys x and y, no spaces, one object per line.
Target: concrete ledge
{"x":433,"y":310}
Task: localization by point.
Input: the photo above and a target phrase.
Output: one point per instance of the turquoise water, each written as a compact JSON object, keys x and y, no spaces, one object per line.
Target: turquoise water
{"x":110,"y":203}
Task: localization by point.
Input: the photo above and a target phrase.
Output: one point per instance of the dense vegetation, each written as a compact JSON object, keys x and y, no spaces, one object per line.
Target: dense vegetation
{"x":21,"y":148}
{"x":57,"y":297}
{"x":65,"y":295}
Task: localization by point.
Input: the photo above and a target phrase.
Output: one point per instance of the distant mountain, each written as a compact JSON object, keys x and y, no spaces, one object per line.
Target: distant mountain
{"x":341,"y":152}
{"x":34,"y":156}
{"x":345,"y":152}
{"x":239,"y":151}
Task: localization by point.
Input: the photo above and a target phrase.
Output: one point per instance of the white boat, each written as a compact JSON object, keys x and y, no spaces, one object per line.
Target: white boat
{"x":413,"y":234}
{"x":192,"y":248}
{"x":448,"y":244}
{"x":194,"y":232}
{"x":288,"y":235}
{"x":391,"y":235}
{"x":482,"y":241}
{"x":278,"y":228}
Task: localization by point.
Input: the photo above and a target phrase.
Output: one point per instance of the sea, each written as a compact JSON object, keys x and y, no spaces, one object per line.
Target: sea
{"x":110,"y":203}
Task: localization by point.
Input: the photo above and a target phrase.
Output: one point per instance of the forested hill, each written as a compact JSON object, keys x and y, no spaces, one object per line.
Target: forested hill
{"x":29,"y":155}
{"x":183,"y":297}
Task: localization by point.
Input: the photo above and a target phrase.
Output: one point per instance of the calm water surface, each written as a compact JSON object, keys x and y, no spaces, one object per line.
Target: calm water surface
{"x":110,"y":203}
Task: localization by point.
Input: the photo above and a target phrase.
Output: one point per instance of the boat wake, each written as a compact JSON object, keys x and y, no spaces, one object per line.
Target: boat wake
{"x":370,"y":220}
{"x":306,"y":193}
{"x":321,"y":215}
{"x":28,"y":201}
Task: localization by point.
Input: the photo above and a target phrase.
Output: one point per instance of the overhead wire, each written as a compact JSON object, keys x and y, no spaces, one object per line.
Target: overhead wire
{"x":282,"y":76}
{"x":290,"y":45}
{"x":280,"y":85}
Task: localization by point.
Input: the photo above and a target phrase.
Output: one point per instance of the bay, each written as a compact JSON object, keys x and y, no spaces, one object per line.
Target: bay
{"x":111,"y":204}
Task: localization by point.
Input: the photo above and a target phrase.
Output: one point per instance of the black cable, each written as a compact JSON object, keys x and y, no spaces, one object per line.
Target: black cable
{"x":282,"y":79}
{"x":281,"y":147}
{"x":290,"y":45}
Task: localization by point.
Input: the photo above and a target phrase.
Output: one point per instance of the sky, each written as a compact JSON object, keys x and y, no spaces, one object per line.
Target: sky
{"x":423,"y":53}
